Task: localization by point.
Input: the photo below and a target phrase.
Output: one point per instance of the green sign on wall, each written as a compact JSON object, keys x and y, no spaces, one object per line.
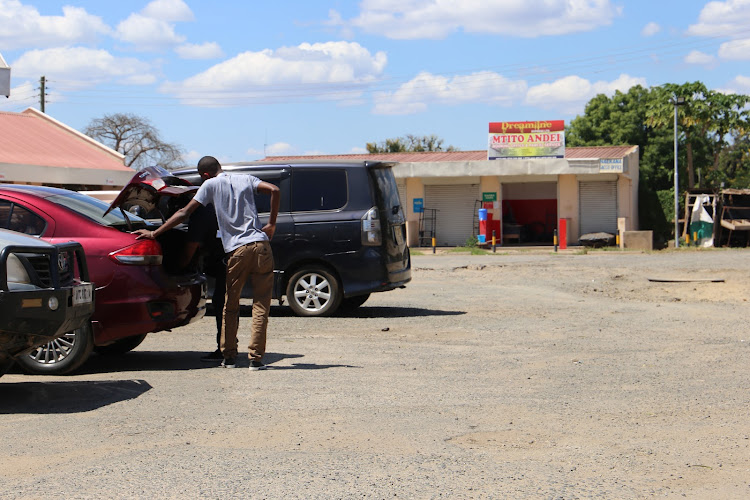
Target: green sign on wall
{"x":489,"y":196}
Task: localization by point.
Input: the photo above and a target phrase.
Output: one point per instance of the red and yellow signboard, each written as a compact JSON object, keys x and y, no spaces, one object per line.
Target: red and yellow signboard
{"x":539,"y":139}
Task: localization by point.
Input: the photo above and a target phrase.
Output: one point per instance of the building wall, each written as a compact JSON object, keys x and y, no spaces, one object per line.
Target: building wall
{"x":567,"y":205}
{"x":513,"y":181}
{"x":414,"y":189}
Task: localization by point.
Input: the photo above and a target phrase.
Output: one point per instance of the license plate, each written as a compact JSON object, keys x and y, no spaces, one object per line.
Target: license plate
{"x":82,"y":294}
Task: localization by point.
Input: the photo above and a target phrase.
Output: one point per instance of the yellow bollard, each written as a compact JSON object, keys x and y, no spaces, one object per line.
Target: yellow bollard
{"x":434,"y":244}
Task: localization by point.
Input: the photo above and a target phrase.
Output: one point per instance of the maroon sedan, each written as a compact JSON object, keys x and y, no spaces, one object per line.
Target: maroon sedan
{"x":136,"y":290}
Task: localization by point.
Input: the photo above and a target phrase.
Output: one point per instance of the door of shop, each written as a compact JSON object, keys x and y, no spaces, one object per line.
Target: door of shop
{"x":455,"y":207}
{"x":598,"y":206}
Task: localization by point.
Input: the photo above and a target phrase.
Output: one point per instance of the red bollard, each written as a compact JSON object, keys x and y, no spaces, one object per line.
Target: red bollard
{"x":563,"y":234}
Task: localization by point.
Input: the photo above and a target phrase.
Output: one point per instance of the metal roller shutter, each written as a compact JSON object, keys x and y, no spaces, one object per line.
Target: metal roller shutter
{"x":598,"y":205}
{"x":455,"y":216}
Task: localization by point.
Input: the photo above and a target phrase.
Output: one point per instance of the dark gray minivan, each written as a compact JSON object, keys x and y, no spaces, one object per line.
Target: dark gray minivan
{"x":340,"y":232}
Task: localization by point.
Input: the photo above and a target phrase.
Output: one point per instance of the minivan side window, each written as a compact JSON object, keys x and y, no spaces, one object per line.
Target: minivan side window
{"x":314,"y":190}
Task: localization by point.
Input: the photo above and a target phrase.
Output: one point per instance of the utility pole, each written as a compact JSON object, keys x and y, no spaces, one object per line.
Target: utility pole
{"x":41,"y":95}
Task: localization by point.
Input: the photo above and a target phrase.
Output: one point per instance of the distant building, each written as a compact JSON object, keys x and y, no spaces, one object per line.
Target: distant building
{"x":593,"y":189}
{"x":37,"y":149}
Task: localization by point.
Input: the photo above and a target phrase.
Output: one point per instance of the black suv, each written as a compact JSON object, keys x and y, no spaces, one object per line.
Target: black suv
{"x":44,"y":293}
{"x":340,"y":234}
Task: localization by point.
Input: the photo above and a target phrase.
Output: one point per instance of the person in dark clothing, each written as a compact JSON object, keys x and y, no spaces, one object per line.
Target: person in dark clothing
{"x":204,"y":244}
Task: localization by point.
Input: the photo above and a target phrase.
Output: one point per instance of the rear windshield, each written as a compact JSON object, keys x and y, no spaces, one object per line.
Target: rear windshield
{"x":387,"y":193}
{"x":94,"y":209}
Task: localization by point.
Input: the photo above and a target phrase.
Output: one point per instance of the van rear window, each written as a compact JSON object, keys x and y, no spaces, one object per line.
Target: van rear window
{"x":314,"y":190}
{"x":387,"y":192}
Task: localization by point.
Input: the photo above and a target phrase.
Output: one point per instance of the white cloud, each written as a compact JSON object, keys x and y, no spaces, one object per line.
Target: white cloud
{"x":739,"y":85}
{"x":192,"y":157}
{"x":482,"y":87}
{"x":650,"y":29}
{"x":275,"y":149}
{"x":570,"y":94}
{"x":736,"y":50}
{"x":255,"y":154}
{"x":147,"y":33}
{"x":727,"y":18}
{"x":207,"y":50}
{"x":436,"y":19}
{"x":700,"y":58}
{"x":83,"y":67}
{"x":169,"y":11}
{"x":321,"y":70}
{"x":278,"y":149}
{"x":153,"y":27}
{"x":24,"y":94}
{"x":23,"y":26}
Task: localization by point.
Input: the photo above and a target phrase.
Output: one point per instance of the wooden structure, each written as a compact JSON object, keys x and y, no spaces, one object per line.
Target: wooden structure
{"x":735,"y":212}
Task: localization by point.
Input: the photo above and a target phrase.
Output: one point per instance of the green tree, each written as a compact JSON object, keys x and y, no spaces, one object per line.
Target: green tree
{"x":409,"y":143}
{"x":707,"y":121}
{"x":622,"y":120}
{"x":137,"y":139}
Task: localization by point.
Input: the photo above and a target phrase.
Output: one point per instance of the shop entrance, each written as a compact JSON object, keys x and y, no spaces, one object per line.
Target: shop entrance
{"x":529,"y":213}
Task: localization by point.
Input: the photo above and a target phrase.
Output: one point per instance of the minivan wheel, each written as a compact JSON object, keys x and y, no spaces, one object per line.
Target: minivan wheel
{"x":313,"y":292}
{"x":120,"y":346}
{"x":62,"y":355}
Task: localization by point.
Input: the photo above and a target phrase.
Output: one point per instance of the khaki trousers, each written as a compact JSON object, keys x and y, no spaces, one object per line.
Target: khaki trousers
{"x":253,"y":261}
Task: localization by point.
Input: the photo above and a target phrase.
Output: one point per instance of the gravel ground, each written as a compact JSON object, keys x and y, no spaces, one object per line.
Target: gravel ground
{"x":511,"y":375}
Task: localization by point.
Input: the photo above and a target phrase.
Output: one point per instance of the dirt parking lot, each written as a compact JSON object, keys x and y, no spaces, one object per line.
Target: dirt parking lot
{"x":521,"y":375}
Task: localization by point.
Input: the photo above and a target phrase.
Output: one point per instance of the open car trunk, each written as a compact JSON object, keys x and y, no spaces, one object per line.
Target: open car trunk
{"x":153,"y":195}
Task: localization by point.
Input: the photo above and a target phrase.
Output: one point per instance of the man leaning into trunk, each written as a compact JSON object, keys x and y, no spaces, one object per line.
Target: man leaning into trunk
{"x":248,"y":249}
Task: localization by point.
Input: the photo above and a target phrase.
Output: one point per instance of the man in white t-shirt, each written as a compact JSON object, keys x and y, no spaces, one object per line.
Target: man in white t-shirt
{"x":247,"y":245}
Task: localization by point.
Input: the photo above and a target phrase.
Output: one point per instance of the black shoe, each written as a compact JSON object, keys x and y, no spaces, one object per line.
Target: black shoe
{"x":229,"y":363}
{"x":215,"y":356}
{"x":256,"y":365}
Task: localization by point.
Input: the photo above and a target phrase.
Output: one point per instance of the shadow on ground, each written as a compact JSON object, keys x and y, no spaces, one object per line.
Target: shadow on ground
{"x":246,"y":311}
{"x":142,"y":361}
{"x":66,"y":397}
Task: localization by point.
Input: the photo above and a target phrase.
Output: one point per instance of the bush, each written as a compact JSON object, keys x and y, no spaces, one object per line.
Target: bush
{"x":656,"y":213}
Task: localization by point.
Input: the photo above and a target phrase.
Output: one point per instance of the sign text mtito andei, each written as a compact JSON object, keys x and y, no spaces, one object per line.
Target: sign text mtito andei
{"x":538,"y":139}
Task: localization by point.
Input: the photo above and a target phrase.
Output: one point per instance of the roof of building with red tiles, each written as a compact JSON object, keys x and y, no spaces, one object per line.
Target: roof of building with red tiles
{"x":589,"y":152}
{"x":33,"y":138}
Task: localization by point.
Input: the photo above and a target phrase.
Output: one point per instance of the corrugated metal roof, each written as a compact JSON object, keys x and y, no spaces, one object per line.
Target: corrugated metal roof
{"x":32,"y":138}
{"x":593,"y":152}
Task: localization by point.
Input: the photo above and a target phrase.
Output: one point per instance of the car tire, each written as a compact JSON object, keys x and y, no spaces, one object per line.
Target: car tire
{"x":352,"y":303}
{"x":120,"y":346}
{"x":313,"y":291}
{"x":61,"y":356}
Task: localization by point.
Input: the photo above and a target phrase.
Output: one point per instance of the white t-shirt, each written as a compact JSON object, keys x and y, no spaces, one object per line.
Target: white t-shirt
{"x":233,"y":196}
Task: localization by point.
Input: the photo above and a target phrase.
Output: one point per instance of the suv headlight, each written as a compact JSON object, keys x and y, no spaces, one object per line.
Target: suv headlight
{"x":17,"y":273}
{"x":371,"y":233}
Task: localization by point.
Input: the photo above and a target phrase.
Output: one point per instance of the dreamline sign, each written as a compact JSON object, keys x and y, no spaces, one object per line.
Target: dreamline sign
{"x":540,"y":139}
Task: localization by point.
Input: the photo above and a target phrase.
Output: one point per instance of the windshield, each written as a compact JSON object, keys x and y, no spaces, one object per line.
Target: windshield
{"x":94,"y":209}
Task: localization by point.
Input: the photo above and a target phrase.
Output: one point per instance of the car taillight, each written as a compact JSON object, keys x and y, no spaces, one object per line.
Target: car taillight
{"x":140,"y":253}
{"x":371,"y":234}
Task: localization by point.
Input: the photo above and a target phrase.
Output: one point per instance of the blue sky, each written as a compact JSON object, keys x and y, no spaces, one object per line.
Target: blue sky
{"x":238,"y":80}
